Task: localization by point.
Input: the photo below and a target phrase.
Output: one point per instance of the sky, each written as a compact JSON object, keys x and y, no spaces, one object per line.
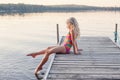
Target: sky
{"x":58,"y":2}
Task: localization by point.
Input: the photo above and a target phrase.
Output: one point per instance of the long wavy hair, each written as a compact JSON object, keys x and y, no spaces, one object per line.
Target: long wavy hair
{"x":75,"y":26}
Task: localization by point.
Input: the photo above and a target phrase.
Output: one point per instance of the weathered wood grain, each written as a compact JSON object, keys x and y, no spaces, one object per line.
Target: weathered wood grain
{"x":100,"y":60}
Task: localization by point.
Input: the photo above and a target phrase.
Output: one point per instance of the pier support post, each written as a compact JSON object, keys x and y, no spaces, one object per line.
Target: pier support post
{"x":57,"y":33}
{"x":116,"y":26}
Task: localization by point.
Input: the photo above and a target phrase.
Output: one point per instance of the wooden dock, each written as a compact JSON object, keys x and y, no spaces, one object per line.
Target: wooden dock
{"x":100,"y":60}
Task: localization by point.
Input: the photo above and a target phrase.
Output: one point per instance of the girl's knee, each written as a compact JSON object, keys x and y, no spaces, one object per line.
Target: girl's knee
{"x":48,"y":52}
{"x":50,"y":47}
{"x":47,"y":49}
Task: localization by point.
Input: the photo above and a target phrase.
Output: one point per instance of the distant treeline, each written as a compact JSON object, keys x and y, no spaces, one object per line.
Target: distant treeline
{"x":27,"y":8}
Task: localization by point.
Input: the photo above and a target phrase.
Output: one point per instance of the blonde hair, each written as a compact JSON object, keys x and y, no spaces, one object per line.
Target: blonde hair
{"x":75,"y":24}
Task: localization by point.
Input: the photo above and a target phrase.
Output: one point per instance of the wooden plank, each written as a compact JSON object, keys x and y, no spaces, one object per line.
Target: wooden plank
{"x":89,"y":64}
{"x":93,"y":53}
{"x":81,"y":79}
{"x":84,"y":79}
{"x":84,"y":66}
{"x":105,"y":72}
{"x":91,"y":61}
{"x":82,"y":76}
{"x":88,"y":57}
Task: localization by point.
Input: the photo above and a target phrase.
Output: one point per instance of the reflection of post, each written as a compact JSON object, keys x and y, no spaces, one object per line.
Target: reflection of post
{"x":116,"y":32}
{"x":57,"y":33}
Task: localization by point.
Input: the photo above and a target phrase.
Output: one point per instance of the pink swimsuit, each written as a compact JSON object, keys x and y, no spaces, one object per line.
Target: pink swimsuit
{"x":68,"y":42}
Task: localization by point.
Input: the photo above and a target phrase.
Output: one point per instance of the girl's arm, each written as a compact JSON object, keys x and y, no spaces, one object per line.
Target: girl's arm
{"x":76,"y":45}
{"x":75,"y":49}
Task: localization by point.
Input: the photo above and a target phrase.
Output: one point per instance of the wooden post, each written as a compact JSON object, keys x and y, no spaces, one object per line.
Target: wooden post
{"x":57,"y":33}
{"x":116,"y":26}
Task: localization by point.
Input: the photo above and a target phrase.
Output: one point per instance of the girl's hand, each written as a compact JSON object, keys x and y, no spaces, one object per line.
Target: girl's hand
{"x":77,"y":52}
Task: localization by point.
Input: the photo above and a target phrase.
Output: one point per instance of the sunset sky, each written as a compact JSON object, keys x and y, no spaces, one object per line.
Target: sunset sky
{"x":58,"y":2}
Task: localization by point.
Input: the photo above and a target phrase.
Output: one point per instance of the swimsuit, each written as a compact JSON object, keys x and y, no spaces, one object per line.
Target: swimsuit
{"x":68,"y":42}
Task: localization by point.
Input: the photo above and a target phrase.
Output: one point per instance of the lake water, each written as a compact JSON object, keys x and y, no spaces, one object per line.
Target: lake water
{"x":20,"y":35}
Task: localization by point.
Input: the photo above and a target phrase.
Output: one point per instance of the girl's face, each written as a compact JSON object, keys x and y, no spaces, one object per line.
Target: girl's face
{"x":68,"y":25}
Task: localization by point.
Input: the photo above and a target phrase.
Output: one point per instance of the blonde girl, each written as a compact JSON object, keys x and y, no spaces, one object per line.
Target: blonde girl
{"x":64,"y":48}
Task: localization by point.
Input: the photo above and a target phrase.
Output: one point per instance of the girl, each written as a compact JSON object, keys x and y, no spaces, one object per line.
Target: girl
{"x":65,"y":47}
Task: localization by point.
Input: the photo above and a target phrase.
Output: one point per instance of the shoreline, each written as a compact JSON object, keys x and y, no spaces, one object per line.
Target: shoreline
{"x":28,"y":8}
{"x":22,"y":14}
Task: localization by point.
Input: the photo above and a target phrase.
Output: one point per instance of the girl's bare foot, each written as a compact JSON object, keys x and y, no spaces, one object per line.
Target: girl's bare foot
{"x":32,"y":54}
{"x":37,"y":69}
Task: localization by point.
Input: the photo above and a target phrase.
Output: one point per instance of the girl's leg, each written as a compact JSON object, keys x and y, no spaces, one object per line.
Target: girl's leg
{"x":40,"y":52}
{"x":47,"y":54}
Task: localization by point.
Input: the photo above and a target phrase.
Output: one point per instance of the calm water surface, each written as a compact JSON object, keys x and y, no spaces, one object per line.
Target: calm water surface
{"x":20,"y":35}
